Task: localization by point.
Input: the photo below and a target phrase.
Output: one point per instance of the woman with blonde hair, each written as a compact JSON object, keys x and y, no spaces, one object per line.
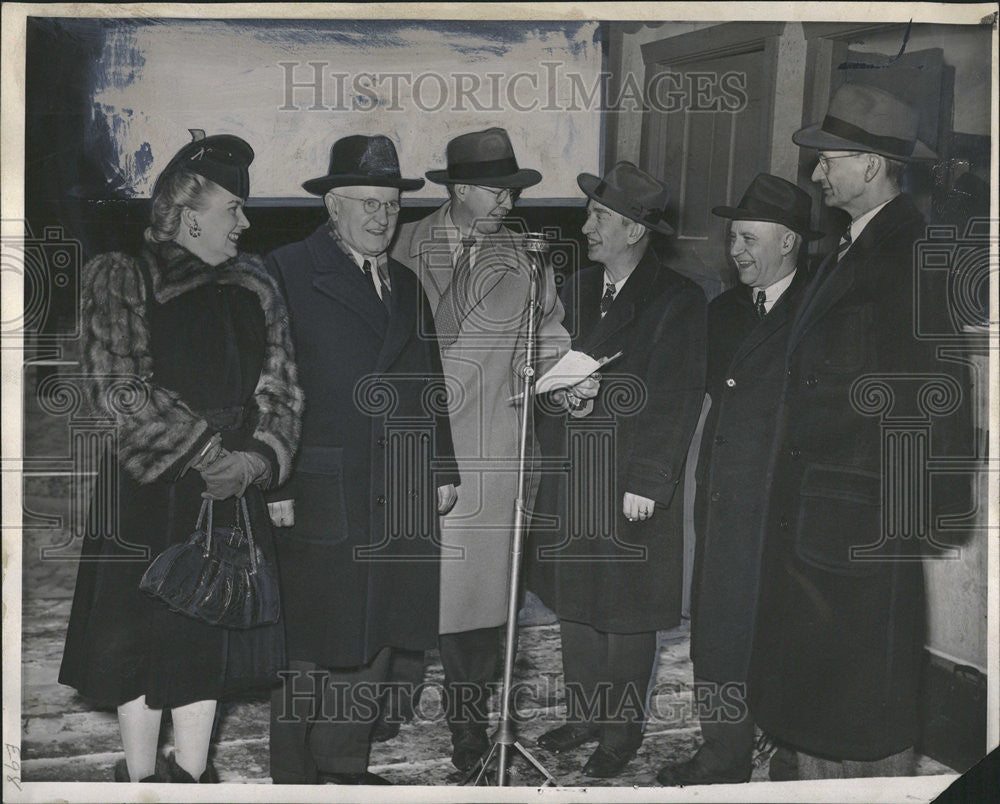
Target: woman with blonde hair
{"x":199,"y":335}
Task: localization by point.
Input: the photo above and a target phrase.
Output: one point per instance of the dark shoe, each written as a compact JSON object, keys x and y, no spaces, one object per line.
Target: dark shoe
{"x":158,"y":775}
{"x":366,"y":777}
{"x":567,"y":737}
{"x":606,"y":763}
{"x":470,"y":744}
{"x":176,"y":773}
{"x":692,"y":772}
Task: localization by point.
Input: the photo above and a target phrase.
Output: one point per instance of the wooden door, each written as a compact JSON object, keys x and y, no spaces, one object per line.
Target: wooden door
{"x":708,"y":158}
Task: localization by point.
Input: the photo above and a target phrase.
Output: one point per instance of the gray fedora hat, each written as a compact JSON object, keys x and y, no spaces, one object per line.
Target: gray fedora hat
{"x":631,"y":192}
{"x":485,"y":158}
{"x":865,"y":118}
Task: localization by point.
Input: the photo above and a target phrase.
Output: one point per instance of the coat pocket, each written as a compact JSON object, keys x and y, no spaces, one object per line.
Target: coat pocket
{"x":839,"y":510}
{"x":320,"y":506}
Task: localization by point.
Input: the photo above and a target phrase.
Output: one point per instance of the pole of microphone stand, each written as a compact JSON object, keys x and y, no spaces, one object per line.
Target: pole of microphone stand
{"x":506,"y":737}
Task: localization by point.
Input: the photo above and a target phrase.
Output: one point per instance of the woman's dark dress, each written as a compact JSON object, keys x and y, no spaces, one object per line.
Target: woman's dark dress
{"x":207,"y":339}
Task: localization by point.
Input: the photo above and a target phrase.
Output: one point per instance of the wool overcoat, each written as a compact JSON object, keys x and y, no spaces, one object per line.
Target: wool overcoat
{"x":746,"y":372}
{"x":360,"y":567}
{"x":482,"y":368}
{"x":174,"y":351}
{"x":586,"y":560}
{"x":840,"y":628}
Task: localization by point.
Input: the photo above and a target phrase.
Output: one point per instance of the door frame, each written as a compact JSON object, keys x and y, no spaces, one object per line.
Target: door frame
{"x":718,"y":41}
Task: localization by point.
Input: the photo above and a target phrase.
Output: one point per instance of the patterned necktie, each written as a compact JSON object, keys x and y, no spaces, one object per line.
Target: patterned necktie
{"x":759,"y":304}
{"x":607,"y":298}
{"x":379,"y":275}
{"x":845,"y":243}
{"x":454,"y":303}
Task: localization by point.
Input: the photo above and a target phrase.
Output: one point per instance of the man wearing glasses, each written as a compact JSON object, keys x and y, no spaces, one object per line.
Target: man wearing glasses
{"x":837,"y":649}
{"x":477,"y":279}
{"x":360,"y":548}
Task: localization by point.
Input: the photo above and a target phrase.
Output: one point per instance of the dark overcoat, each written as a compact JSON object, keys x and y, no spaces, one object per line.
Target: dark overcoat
{"x":746,"y":371}
{"x":174,"y":351}
{"x":586,"y":560}
{"x":360,"y":567}
{"x":838,"y":643}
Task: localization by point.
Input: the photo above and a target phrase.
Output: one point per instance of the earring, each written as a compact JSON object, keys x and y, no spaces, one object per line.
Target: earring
{"x":194,"y":230}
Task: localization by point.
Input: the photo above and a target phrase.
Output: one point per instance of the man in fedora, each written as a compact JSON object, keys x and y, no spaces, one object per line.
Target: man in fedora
{"x":748,"y":329}
{"x":838,"y":642}
{"x":608,"y":561}
{"x":359,"y":561}
{"x":477,"y":278}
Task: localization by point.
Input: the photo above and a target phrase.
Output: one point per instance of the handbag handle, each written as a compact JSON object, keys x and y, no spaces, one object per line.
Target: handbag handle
{"x":206,"y":512}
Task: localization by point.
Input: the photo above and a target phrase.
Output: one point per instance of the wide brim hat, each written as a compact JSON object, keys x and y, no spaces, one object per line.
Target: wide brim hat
{"x":362,"y":161}
{"x":222,"y":158}
{"x":484,"y":158}
{"x":631,"y":192}
{"x":775,"y":200}
{"x":868,"y":119}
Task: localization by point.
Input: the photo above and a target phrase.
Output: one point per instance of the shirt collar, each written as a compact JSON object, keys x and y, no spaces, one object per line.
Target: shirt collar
{"x":357,"y":257}
{"x":618,"y":285}
{"x":858,"y":224}
{"x":774,"y":291}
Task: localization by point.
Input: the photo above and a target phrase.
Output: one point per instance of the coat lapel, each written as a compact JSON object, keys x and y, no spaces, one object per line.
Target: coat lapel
{"x":431,"y":249}
{"x":774,"y":321}
{"x":337,"y":276}
{"x":623,"y":311}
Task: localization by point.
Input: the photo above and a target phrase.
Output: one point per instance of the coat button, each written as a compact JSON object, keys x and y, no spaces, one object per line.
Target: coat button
{"x":381,"y":442}
{"x":730,"y":382}
{"x":716,"y":496}
{"x":812,"y":379}
{"x":380,"y":499}
{"x":795,"y":452}
{"x":783,"y":523}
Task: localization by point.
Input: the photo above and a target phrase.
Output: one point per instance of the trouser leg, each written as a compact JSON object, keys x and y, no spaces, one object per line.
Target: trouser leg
{"x":583,"y":653}
{"x":470,"y":660}
{"x":629,"y":663}
{"x":321,"y":719}
{"x":726,"y":727}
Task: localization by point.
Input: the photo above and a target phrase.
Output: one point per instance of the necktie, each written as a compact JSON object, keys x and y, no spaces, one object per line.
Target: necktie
{"x":453,"y":305}
{"x":845,"y":243}
{"x":380,"y":276}
{"x":759,"y":303}
{"x":607,"y":298}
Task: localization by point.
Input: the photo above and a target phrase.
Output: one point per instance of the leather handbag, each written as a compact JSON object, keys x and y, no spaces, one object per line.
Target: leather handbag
{"x":218,"y":576}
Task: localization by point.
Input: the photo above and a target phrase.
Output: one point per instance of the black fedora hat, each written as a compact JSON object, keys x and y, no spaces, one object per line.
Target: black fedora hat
{"x":485,"y":158}
{"x":222,"y":158}
{"x":769,"y":198}
{"x":360,"y":160}
{"x":865,"y":118}
{"x":630,"y":192}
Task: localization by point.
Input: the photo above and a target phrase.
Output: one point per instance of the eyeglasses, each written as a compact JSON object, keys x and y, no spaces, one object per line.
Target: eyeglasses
{"x":373,"y":205}
{"x":502,"y":196}
{"x":824,"y":161}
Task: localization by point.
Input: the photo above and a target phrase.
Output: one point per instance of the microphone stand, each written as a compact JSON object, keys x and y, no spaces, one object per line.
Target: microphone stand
{"x":505,"y":738}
